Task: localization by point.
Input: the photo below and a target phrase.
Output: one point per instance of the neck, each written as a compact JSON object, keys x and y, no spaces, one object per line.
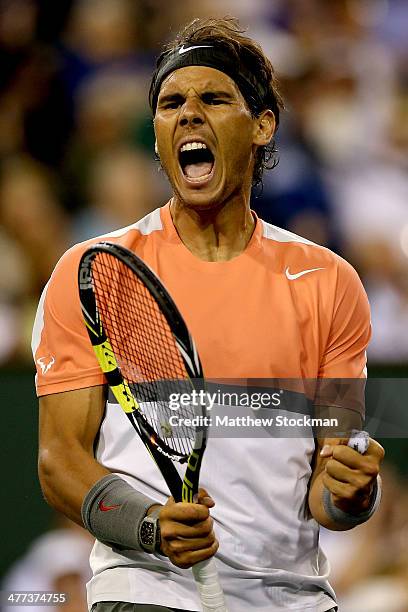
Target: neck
{"x":215,"y":234}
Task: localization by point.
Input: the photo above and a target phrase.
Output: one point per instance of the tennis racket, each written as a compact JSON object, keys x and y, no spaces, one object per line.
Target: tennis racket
{"x":146,"y":352}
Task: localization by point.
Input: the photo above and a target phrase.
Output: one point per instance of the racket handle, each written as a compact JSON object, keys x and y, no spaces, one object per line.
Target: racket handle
{"x":211,"y":594}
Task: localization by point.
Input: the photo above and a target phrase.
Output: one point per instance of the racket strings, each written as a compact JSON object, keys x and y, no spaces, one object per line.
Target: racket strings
{"x":145,"y":349}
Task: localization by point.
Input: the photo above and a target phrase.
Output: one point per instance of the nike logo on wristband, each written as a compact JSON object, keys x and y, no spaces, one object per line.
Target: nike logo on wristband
{"x":104,"y":508}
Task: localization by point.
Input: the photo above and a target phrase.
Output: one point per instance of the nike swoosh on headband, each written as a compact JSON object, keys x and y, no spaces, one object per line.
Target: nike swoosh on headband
{"x":184,"y":50}
{"x":299,"y":274}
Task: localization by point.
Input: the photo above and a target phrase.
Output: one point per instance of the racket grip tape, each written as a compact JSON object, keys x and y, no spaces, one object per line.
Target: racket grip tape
{"x":208,"y":585}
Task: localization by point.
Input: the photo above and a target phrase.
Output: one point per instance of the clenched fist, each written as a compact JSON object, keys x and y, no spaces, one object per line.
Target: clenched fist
{"x":350,"y":476}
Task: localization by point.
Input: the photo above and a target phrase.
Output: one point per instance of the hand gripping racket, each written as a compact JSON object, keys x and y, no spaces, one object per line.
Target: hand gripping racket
{"x":146,"y":352}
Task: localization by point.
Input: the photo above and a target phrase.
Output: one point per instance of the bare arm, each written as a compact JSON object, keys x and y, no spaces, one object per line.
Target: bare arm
{"x":69,"y":424}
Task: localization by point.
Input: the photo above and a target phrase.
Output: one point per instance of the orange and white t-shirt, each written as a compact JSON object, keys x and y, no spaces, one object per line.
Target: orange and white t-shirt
{"x":284,"y":308}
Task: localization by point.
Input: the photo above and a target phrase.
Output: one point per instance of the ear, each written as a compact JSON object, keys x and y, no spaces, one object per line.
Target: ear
{"x":264,"y":128}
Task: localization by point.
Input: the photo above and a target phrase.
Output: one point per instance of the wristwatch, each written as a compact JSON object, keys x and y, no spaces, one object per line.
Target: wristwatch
{"x":149,"y":532}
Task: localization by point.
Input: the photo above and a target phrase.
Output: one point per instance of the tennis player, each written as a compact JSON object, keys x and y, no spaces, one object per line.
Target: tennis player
{"x":261,"y":303}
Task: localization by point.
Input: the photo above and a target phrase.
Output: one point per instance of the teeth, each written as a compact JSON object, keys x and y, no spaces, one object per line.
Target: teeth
{"x":189,"y":146}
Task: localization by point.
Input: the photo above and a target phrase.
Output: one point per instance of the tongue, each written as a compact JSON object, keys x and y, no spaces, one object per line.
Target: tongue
{"x":197,"y":170}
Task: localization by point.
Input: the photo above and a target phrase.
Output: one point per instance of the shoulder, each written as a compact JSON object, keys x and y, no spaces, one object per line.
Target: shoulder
{"x":132,"y":237}
{"x":62,"y":287}
{"x":297,"y":254}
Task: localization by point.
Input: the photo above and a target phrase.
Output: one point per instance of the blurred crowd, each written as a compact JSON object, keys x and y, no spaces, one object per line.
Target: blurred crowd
{"x":55,"y":562}
{"x":76,"y":138}
{"x":369,"y":564}
{"x":77,"y":160}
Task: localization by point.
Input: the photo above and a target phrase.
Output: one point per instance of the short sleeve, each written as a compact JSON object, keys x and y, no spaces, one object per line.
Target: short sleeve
{"x":62,"y":351}
{"x":350,"y":331}
{"x":343,"y":371}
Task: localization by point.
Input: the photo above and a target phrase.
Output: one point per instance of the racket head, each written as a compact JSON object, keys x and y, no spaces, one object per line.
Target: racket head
{"x":109,"y":313}
{"x":142,"y":343}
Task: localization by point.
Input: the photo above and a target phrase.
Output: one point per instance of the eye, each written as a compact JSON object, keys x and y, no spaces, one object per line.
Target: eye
{"x":174,"y":104}
{"x":213,"y":100}
{"x":170,"y":102}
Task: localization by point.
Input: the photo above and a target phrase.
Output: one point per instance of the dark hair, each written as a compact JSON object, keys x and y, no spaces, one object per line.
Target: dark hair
{"x":227,"y":33}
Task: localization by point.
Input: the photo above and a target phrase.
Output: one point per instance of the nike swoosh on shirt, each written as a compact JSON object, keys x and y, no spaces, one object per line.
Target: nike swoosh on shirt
{"x":183,"y":50}
{"x":299,"y":274}
{"x":104,"y":508}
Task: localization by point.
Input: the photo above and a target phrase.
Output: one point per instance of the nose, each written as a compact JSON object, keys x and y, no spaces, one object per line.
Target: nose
{"x":191,"y":113}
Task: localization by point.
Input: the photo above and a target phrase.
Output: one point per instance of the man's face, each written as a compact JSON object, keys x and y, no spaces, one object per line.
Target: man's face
{"x":205,"y":136}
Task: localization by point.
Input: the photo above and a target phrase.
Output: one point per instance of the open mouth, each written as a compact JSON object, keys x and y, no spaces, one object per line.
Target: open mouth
{"x":196,"y":161}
